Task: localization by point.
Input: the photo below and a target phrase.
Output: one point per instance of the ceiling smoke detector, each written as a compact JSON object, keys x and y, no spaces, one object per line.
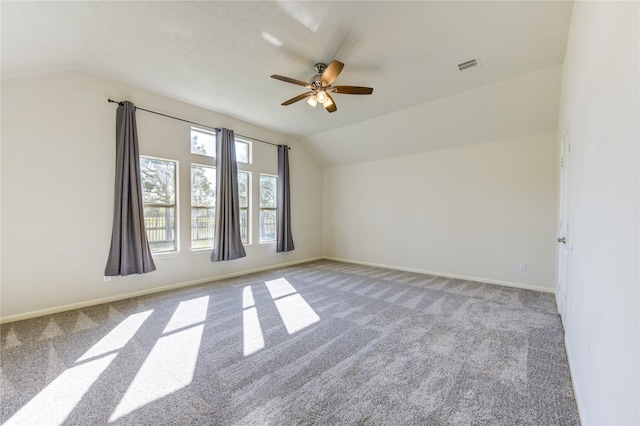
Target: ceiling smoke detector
{"x":466,"y":65}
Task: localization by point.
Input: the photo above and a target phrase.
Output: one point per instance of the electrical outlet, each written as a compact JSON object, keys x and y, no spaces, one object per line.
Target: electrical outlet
{"x":107,"y":278}
{"x":522,"y":267}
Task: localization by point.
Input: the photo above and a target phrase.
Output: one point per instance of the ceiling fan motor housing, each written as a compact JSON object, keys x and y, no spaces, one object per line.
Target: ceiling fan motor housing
{"x":315,"y":81}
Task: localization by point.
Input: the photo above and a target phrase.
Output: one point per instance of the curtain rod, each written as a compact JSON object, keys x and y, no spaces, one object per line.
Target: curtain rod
{"x":193,"y":122}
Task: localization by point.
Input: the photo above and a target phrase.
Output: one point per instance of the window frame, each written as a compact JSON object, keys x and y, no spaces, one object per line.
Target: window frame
{"x":274,"y":209}
{"x":249,"y":150}
{"x":191,"y":207}
{"x":247,"y":208}
{"x":237,"y":140}
{"x":175,"y":206}
{"x":200,"y":130}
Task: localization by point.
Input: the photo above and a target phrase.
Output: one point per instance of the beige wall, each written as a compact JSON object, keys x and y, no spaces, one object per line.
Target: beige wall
{"x":474,"y":212}
{"x":58,"y":156}
{"x":600,"y":103}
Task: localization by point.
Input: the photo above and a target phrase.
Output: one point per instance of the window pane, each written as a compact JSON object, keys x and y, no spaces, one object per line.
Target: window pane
{"x":202,"y":225}
{"x":243,"y":188}
{"x":158,"y":181}
{"x":243,"y":195}
{"x":268,"y":188}
{"x":203,"y":201}
{"x":244,"y":226}
{"x":203,"y":186}
{"x":267,"y":225}
{"x":203,"y":142}
{"x":160,"y":223}
{"x":159,"y":197}
{"x":242,"y":151}
{"x":268,"y":198}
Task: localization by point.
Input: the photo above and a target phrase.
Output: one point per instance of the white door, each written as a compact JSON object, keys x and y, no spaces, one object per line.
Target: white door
{"x":564,"y":241}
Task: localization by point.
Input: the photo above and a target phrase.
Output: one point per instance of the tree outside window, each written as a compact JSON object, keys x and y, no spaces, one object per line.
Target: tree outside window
{"x":203,"y":142}
{"x":159,"y":198}
{"x":268,"y":204}
{"x":243,"y":195}
{"x":203,"y":206}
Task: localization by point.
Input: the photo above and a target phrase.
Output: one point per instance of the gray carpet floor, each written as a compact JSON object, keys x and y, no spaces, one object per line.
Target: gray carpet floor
{"x":318,"y":343}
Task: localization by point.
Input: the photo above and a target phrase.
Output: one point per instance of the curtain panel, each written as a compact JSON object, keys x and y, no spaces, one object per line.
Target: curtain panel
{"x":227,"y":238}
{"x":283,"y":212}
{"x":129,"y":252}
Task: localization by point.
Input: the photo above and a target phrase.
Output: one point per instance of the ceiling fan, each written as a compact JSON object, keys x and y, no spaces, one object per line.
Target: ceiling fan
{"x":320,"y":87}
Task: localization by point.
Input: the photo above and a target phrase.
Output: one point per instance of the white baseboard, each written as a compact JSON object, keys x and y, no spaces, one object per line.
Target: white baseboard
{"x":444,"y":274}
{"x":80,"y":305}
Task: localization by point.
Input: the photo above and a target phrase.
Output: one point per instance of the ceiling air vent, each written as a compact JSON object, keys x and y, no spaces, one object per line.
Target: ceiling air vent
{"x":468,"y":64}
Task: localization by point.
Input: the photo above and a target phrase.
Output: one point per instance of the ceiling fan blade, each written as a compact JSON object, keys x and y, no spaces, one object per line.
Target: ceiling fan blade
{"x":332,"y":71}
{"x":291,"y":80}
{"x":353,"y":90}
{"x":332,"y":106}
{"x":297,"y":98}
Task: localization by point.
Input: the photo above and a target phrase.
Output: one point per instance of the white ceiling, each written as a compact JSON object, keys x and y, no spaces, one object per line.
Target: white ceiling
{"x":509,"y":109}
{"x":219,"y":55}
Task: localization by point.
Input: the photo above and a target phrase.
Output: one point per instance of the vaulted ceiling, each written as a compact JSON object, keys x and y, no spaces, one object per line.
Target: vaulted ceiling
{"x":219,"y":55}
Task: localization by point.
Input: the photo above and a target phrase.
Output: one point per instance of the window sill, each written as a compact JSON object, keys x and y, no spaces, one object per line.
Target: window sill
{"x":165,"y":255}
{"x":208,"y":250}
{"x":201,"y":251}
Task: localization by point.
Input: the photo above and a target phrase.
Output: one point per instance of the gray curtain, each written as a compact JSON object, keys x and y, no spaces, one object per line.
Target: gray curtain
{"x":227,"y":242}
{"x":285,"y":240}
{"x":129,"y":252}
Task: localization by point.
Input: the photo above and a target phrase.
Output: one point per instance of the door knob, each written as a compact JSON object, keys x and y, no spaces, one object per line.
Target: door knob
{"x":562,"y":240}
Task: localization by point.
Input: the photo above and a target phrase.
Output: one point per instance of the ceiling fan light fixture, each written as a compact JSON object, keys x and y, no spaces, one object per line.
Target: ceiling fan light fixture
{"x":327,"y":103}
{"x":322,"y":97}
{"x":313,"y":101}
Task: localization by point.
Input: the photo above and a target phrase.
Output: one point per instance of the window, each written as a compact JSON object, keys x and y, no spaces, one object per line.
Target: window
{"x":159,"y":198}
{"x":203,"y":142}
{"x":203,"y":203}
{"x":268,"y":199}
{"x":243,"y":195}
{"x":243,"y":151}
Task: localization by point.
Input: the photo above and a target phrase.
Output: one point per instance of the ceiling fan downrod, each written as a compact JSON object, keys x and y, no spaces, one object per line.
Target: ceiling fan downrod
{"x":320,"y":67}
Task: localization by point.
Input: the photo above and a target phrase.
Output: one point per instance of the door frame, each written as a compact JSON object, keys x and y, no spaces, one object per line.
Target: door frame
{"x":564,"y":226}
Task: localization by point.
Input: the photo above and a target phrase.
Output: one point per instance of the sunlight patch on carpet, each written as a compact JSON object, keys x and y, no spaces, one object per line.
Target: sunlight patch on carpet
{"x":171,"y":364}
{"x":252,"y":337}
{"x":55,"y":402}
{"x":280,"y":287}
{"x":168,"y":368}
{"x":118,"y":337}
{"x":247,"y":297}
{"x":188,"y":313}
{"x":252,"y":332}
{"x":295,"y":312}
